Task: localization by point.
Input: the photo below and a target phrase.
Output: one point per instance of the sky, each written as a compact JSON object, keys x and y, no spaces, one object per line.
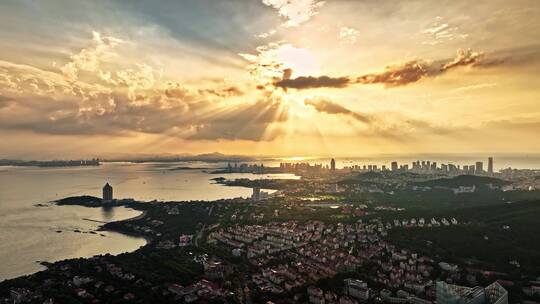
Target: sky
{"x":268,"y":77}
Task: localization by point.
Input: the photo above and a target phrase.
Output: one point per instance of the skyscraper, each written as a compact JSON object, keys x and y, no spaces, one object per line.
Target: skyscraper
{"x":479,"y":168}
{"x":256,"y":196}
{"x":490,"y":165}
{"x":333,"y":164}
{"x":107,"y":193}
{"x":394,"y":166}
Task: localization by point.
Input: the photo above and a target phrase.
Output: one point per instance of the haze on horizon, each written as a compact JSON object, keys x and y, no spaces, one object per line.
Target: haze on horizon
{"x":268,"y":77}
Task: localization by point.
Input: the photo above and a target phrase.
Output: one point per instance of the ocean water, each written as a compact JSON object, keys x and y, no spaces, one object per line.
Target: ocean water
{"x":29,"y":233}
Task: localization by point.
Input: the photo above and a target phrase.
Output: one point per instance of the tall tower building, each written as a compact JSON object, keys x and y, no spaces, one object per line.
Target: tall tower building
{"x":107,"y":193}
{"x":490,"y":165}
{"x":333,"y":164}
{"x":479,"y":168}
{"x":394,"y":166}
{"x":256,"y":196}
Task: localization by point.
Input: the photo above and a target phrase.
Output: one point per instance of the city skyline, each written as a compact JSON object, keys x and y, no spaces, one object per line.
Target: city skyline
{"x":308,"y":77}
{"x":270,"y":151}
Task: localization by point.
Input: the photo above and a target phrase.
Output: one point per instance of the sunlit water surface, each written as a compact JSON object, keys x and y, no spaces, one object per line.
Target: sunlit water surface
{"x":30,"y":233}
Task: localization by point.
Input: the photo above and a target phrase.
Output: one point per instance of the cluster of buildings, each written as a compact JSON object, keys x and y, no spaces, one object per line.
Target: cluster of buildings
{"x":203,"y":289}
{"x":289,"y":255}
{"x":420,"y":167}
{"x":248,"y":168}
{"x":52,"y":163}
{"x":284,"y":167}
{"x":354,"y":292}
{"x":85,"y":288}
{"x":314,"y":250}
{"x":429,"y":167}
{"x":421,"y":222}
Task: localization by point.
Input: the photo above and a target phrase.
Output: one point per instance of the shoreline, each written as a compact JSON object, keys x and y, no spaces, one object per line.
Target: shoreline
{"x":45,"y":264}
{"x":141,"y":216}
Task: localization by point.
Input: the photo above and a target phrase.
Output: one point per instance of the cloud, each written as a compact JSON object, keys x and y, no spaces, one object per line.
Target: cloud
{"x":310,"y":82}
{"x":473,"y":87}
{"x":271,"y":61}
{"x":46,"y":102}
{"x":140,"y":78}
{"x":388,"y":126}
{"x":439,"y":32}
{"x":295,"y":12}
{"x":324,"y":105}
{"x":348,"y":35}
{"x":176,"y":90}
{"x":397,"y":75}
{"x":89,"y":59}
{"x":465,"y":58}
{"x":265,"y":64}
{"x":266,"y":34}
{"x":394,"y":75}
{"x":222,"y":92}
{"x":287,"y":73}
{"x":415,"y":70}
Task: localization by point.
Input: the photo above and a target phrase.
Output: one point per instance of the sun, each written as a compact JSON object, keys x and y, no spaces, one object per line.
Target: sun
{"x":300,"y":60}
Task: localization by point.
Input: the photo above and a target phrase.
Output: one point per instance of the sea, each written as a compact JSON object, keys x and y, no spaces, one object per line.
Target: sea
{"x":33,"y":230}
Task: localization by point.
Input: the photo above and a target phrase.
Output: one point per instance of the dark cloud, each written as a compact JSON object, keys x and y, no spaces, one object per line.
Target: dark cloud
{"x":398,"y":75}
{"x":226,"y":92}
{"x":523,"y":56}
{"x":287,"y":73}
{"x":393,"y":75}
{"x":415,"y":70}
{"x":327,"y":106}
{"x":197,"y":120}
{"x":310,"y":82}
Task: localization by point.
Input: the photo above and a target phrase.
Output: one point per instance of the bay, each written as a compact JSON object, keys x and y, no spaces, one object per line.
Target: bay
{"x":32,"y":229}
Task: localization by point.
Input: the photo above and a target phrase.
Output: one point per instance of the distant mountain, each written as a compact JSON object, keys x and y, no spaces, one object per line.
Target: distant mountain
{"x":208,"y":157}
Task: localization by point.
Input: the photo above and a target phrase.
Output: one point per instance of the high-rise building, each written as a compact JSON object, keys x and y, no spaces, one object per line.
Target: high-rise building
{"x":107,"y":193}
{"x":394,"y":166}
{"x":357,"y":289}
{"x":490,"y":165}
{"x":333,"y":164}
{"x":479,"y":168}
{"x":256,"y":196}
{"x":444,"y":168}
{"x":455,"y":294}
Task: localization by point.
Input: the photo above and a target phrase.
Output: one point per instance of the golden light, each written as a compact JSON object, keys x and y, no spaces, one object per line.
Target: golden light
{"x":300,"y":60}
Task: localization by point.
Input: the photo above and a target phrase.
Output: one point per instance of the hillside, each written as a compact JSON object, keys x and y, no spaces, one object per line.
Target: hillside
{"x":463,"y":180}
{"x":510,"y":230}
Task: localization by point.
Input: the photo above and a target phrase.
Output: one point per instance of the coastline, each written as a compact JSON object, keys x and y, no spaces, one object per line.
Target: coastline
{"x":107,"y":227}
{"x":45,"y":264}
{"x":94,"y":202}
